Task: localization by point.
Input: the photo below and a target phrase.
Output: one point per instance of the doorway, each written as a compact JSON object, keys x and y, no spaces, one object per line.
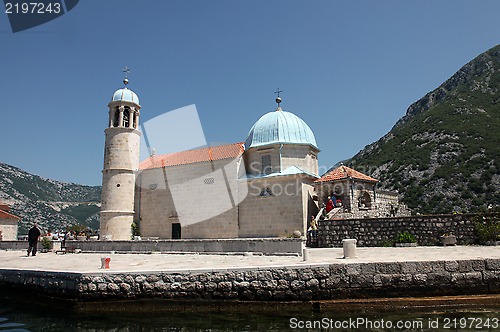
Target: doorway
{"x":176,"y":231}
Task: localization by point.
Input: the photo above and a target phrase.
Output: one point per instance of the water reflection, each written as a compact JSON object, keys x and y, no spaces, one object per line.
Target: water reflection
{"x":18,"y":314}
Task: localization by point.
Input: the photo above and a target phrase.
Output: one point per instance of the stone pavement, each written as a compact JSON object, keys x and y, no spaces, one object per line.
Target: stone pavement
{"x":168,"y":262}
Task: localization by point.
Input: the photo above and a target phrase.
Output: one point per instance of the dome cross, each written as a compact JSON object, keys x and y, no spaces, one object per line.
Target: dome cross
{"x":278,"y":99}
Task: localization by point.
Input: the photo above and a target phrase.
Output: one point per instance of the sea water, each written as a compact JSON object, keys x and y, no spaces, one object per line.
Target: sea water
{"x":20,"y":313}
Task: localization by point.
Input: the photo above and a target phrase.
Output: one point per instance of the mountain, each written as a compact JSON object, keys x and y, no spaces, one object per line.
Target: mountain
{"x":54,"y":205}
{"x":443,"y":155}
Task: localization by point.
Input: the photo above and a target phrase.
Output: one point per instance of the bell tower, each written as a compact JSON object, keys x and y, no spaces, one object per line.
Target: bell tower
{"x":121,"y":161}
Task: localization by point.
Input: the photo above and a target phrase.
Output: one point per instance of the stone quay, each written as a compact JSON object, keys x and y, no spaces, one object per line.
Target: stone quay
{"x":326,"y":275}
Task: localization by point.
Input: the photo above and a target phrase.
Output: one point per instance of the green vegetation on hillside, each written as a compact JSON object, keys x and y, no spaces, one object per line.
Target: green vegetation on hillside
{"x":444,"y":155}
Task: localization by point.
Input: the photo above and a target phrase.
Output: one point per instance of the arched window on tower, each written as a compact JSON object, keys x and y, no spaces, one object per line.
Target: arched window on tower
{"x":126,"y":117}
{"x":116,"y":117}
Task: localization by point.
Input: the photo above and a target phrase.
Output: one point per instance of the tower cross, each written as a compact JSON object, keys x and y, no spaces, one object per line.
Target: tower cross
{"x":126,"y":71}
{"x":278,"y":91}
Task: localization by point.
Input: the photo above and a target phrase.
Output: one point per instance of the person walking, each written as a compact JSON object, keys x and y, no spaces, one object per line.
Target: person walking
{"x":33,"y":236}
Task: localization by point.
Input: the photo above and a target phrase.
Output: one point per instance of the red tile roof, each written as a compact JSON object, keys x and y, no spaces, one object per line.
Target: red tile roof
{"x":194,"y":156}
{"x":7,"y":215}
{"x":344,"y":172}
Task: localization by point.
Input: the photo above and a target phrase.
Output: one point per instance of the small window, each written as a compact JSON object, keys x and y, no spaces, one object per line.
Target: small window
{"x":266,"y":164}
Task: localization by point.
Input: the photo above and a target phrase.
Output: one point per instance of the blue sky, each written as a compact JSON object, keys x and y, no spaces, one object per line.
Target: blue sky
{"x":350,"y":69}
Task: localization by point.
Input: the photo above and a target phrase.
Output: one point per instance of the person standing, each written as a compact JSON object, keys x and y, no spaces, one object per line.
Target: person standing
{"x":314,"y":228}
{"x":329,"y":205}
{"x":33,"y":236}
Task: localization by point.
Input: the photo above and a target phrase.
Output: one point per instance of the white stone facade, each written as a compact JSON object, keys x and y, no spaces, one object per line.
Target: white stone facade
{"x":280,"y":157}
{"x":8,"y":224}
{"x":216,"y":200}
{"x":200,"y":197}
{"x":8,"y":229}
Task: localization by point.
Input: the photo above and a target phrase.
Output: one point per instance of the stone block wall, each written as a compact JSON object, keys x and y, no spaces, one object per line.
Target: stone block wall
{"x":274,"y":207}
{"x":202,"y":197}
{"x":268,"y":246}
{"x":372,"y":232}
{"x":281,"y":157}
{"x":305,"y":283}
{"x":303,"y":156}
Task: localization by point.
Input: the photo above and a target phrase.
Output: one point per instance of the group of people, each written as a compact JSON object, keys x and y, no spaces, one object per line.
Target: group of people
{"x":312,"y":231}
{"x":331,"y":203}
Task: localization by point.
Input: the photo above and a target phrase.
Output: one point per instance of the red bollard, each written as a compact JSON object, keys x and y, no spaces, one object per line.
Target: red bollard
{"x":105,"y":262}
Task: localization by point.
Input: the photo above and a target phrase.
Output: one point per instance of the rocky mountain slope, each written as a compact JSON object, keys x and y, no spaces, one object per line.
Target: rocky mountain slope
{"x":443,"y":155}
{"x":54,"y":205}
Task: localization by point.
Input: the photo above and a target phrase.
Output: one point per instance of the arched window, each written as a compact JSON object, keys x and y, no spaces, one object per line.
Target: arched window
{"x":116,"y":117}
{"x":126,"y":117}
{"x":365,"y":201}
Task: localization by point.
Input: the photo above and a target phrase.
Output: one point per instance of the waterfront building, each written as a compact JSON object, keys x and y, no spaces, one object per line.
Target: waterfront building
{"x":356,"y":195}
{"x":266,"y":186}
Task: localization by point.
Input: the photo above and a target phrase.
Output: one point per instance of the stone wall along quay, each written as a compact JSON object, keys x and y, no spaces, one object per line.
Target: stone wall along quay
{"x":266,"y":246}
{"x":303,"y":283}
{"x":373,"y":232}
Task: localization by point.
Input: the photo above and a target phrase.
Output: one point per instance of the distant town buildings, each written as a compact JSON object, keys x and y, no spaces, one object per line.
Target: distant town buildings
{"x":8,"y":224}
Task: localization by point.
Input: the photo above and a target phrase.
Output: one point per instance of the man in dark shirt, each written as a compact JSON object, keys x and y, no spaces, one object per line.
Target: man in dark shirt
{"x":33,"y":235}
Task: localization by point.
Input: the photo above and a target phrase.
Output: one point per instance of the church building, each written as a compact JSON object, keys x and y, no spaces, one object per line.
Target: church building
{"x":266,"y":186}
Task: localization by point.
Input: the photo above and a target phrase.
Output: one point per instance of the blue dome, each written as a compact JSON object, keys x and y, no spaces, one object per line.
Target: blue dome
{"x":125,"y":95}
{"x":280,"y":127}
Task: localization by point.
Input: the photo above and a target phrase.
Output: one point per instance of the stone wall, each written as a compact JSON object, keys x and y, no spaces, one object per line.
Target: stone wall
{"x":275,"y":206}
{"x":388,"y":205}
{"x":210,"y":204}
{"x":372,"y":232}
{"x":361,"y":200}
{"x":305,"y":283}
{"x":201,"y":197}
{"x":281,"y":157}
{"x":264,"y":246}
